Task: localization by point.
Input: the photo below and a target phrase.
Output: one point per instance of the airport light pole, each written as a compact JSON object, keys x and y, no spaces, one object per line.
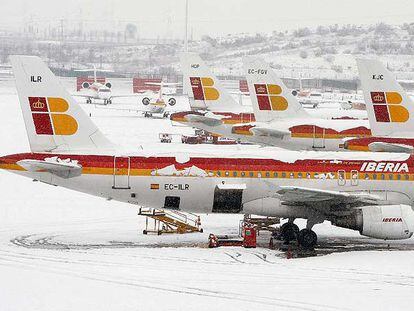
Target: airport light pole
{"x":186,"y":27}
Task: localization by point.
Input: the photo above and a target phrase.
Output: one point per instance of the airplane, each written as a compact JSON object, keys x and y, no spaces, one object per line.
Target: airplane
{"x":279,"y":119}
{"x":97,"y":90}
{"x":368,"y":192}
{"x":389,"y":109}
{"x":157,"y":105}
{"x":312,"y":99}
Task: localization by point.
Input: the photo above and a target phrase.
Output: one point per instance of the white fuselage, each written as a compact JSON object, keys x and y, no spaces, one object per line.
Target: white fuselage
{"x":98,"y":91}
{"x":310,"y":140}
{"x":197,"y":189}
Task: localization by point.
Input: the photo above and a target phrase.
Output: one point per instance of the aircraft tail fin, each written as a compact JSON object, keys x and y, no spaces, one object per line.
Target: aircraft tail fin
{"x":205,"y":90}
{"x":271,"y":99}
{"x":54,"y":120}
{"x":389,"y":107}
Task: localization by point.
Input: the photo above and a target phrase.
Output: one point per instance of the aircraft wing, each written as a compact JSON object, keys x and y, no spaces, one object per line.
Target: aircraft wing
{"x":163,"y":83}
{"x":59,"y":168}
{"x":123,"y":109}
{"x":264,"y":131}
{"x":82,"y":95}
{"x":390,"y":147}
{"x":207,"y":120}
{"x":126,"y":95}
{"x":327,"y":198}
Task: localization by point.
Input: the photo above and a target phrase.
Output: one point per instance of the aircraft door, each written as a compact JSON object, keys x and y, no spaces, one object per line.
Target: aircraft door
{"x":227,"y":200}
{"x":341,"y":178}
{"x":318,"y":137}
{"x":354,"y":178}
{"x":122,"y":166}
{"x":246,"y":117}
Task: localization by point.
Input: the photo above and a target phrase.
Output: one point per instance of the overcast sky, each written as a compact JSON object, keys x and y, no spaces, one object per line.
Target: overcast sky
{"x":165,"y":18}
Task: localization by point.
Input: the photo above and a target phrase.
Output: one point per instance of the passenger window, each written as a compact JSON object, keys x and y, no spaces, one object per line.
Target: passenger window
{"x":308,"y":175}
{"x":275,"y":174}
{"x":226,"y":173}
{"x":374,"y":176}
{"x":292,"y":175}
{"x":283,"y":175}
{"x":267,"y":174}
{"x":218,"y":173}
{"x":390,"y":176}
{"x":407,"y":177}
{"x":243,"y":174}
{"x":234,"y":174}
{"x":399,"y":177}
{"x":299,"y":175}
{"x":382,"y":176}
{"x":259,"y":175}
{"x":251,"y":174}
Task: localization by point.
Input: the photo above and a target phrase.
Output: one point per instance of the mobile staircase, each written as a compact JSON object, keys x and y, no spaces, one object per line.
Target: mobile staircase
{"x":170,"y":221}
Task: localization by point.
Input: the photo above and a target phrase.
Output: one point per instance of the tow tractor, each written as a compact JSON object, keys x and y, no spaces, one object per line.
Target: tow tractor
{"x":249,"y":228}
{"x":247,"y":240}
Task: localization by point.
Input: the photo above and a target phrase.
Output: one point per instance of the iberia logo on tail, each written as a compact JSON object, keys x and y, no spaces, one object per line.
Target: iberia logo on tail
{"x":49,"y":117}
{"x":268,"y":97}
{"x":203,"y":88}
{"x":387,"y":107}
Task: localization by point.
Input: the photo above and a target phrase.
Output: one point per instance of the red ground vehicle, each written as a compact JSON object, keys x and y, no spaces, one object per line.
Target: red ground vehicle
{"x":192,"y":139}
{"x":249,"y":236}
{"x":248,"y":239}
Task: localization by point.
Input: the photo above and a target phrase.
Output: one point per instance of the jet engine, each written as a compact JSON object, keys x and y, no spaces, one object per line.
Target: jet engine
{"x":85,"y":85}
{"x":388,"y":222}
{"x":146,"y":101}
{"x":108,"y":85}
{"x":172,"y":101}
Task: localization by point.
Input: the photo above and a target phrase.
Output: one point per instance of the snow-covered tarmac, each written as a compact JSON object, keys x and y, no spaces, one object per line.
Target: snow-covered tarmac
{"x":62,"y":250}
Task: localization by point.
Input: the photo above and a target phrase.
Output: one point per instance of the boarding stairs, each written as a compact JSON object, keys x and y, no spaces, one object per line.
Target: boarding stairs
{"x":169,"y":221}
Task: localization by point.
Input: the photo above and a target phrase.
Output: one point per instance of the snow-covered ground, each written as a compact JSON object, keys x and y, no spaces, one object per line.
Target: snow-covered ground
{"x":63,"y":250}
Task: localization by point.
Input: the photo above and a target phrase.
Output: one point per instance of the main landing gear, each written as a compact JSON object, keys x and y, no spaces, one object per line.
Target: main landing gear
{"x":306,"y":238}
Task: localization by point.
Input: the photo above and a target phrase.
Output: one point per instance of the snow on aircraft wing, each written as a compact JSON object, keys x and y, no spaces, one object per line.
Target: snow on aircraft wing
{"x":265,"y":131}
{"x":390,"y":147}
{"x":209,"y":120}
{"x":309,"y":196}
{"x":59,"y":168}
